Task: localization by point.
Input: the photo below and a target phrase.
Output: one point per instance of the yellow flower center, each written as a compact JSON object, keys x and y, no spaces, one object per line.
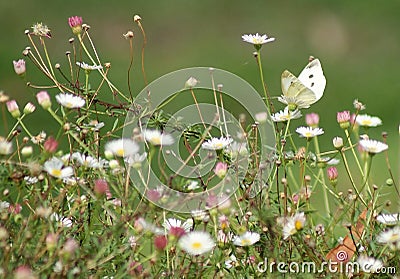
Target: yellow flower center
{"x":245,"y":242}
{"x":218,"y":145}
{"x":56,"y":173}
{"x":156,"y":140}
{"x":120,"y":152}
{"x":196,"y":245}
{"x":366,"y":122}
{"x":394,"y":237}
{"x":298,"y":225}
{"x":308,"y":135}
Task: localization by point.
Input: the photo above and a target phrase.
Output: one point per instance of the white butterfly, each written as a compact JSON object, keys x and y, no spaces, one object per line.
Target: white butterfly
{"x":305,"y":90}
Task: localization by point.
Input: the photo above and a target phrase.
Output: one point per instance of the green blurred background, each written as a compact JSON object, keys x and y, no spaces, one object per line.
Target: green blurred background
{"x":358,"y":43}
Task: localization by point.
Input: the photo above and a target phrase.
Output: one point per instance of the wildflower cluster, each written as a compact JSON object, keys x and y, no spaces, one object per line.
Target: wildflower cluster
{"x":85,"y":199}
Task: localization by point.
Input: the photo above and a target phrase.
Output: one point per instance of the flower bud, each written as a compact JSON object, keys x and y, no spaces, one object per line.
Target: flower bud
{"x":50,"y":145}
{"x":332,"y":175}
{"x":343,"y":118}
{"x":100,"y":187}
{"x":75,"y":22}
{"x":12,"y":107}
{"x":29,"y":108}
{"x":337,"y":142}
{"x":51,"y":241}
{"x":160,"y":242}
{"x":312,"y":120}
{"x":19,"y":67}
{"x":27,"y":151}
{"x":221,"y":169}
{"x":43,"y":99}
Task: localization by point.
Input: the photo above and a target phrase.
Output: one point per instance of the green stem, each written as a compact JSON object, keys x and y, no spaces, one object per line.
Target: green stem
{"x":322,"y":176}
{"x":263,"y":82}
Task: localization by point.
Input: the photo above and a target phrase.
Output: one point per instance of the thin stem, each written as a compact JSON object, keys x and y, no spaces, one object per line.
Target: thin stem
{"x":264,"y":86}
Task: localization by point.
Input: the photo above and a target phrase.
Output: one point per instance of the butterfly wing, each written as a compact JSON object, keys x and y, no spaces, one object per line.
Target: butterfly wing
{"x":294,"y":91}
{"x":313,"y":77}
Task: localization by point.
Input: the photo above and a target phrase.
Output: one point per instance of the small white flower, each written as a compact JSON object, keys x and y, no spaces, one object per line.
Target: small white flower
{"x":196,"y":242}
{"x":155,"y":137}
{"x":54,"y":167}
{"x":246,"y":239}
{"x":388,"y":219}
{"x":309,"y":132}
{"x":4,"y":205}
{"x":292,"y":225}
{"x":285,"y":115}
{"x":390,"y":237}
{"x":175,"y":223}
{"x":192,"y":185}
{"x":369,"y":264}
{"x":39,"y":138}
{"x":132,"y":241}
{"x":122,"y":147}
{"x":136,"y":160}
{"x":200,"y":215}
{"x":58,"y":267}
{"x":368,"y":121}
{"x":237,"y":148}
{"x":88,"y":67}
{"x":87,"y":161}
{"x":232,"y":262}
{"x":149,"y":226}
{"x":63,"y":221}
{"x":373,"y":146}
{"x":70,"y":101}
{"x":257,"y":39}
{"x":216,"y":143}
{"x":5,"y":146}
{"x":223,"y":237}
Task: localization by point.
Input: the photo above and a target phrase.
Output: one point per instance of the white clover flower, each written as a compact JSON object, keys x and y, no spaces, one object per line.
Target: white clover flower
{"x":216,"y":143}
{"x":196,"y":243}
{"x":55,"y":167}
{"x":309,"y":132}
{"x":388,"y":219}
{"x":373,"y":146}
{"x":122,"y":147}
{"x":5,"y":146}
{"x":88,"y":67}
{"x":246,"y":239}
{"x":257,"y":39}
{"x":369,"y":264}
{"x":70,"y":101}
{"x":368,"y":121}
{"x":155,"y":137}
{"x":285,"y":115}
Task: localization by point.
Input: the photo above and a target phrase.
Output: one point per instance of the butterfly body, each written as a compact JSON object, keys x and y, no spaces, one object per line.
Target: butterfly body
{"x":303,"y":91}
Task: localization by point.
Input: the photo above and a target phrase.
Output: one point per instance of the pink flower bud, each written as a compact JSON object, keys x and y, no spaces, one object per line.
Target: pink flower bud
{"x":12,"y":107}
{"x":332,"y":175}
{"x":312,"y":120}
{"x":50,"y":145}
{"x":153,"y":195}
{"x":135,"y":269}
{"x":343,"y":118}
{"x":177,"y":231}
{"x":101,"y":187}
{"x":51,"y":241}
{"x":221,"y":169}
{"x":160,"y":242}
{"x":19,"y":67}
{"x":15,"y":208}
{"x":23,"y":272}
{"x":75,"y":22}
{"x":44,"y":99}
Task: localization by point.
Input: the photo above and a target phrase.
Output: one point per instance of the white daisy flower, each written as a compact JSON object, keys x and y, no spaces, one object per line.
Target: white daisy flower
{"x":390,"y":237}
{"x":223,"y":237}
{"x":192,"y":185}
{"x":87,"y":161}
{"x":246,"y":239}
{"x":216,"y":143}
{"x":388,"y":219}
{"x":136,"y":160}
{"x":368,"y":121}
{"x":175,"y":223}
{"x":5,"y":146}
{"x":88,"y":67}
{"x":369,"y":264}
{"x":292,"y":225}
{"x":285,"y":115}
{"x":309,"y":132}
{"x":196,"y":243}
{"x":70,"y":101}
{"x":55,"y":167}
{"x":257,"y":39}
{"x":63,"y":221}
{"x":155,"y":137}
{"x":232,"y":262}
{"x":373,"y":146}
{"x":122,"y":147}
